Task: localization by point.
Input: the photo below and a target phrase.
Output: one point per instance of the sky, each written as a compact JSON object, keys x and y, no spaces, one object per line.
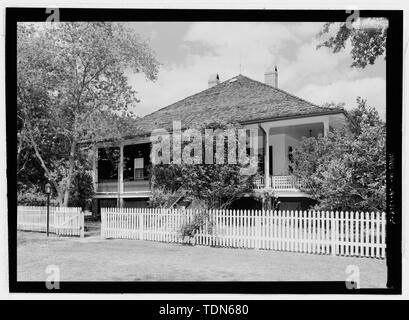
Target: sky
{"x":189,"y":52}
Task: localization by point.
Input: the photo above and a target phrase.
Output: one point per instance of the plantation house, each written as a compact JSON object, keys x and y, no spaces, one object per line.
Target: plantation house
{"x":121,"y":170}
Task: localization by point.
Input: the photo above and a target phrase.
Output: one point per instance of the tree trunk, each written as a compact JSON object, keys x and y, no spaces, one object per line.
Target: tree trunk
{"x":19,"y":148}
{"x":46,"y":171}
{"x":70,"y":172}
{"x":60,"y":198}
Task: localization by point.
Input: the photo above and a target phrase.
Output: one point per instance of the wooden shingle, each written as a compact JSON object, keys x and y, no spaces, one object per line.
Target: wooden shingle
{"x":232,"y":101}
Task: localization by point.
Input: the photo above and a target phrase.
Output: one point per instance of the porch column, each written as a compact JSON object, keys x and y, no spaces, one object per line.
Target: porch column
{"x":267,"y":159}
{"x":95,"y":167}
{"x":121,"y":175}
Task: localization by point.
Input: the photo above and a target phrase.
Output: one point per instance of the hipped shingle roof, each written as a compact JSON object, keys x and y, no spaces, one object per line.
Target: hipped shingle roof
{"x":237,"y":100}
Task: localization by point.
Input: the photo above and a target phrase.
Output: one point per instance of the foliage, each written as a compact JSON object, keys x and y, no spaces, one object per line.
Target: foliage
{"x":33,"y":196}
{"x":159,"y":197}
{"x":368,"y":42}
{"x":29,"y":171}
{"x":82,"y":190}
{"x":268,"y":197}
{"x":216,"y":185}
{"x":72,"y":87}
{"x":346,"y":170}
{"x":200,"y":218}
{"x":168,"y":178}
{"x":197,"y":204}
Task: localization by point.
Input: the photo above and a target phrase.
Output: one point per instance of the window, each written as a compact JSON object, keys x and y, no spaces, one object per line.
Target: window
{"x":108,"y":160}
{"x":136,"y":161}
{"x":138,"y":169}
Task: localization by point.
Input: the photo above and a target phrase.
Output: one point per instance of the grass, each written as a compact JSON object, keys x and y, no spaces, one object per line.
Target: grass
{"x":96,"y":259}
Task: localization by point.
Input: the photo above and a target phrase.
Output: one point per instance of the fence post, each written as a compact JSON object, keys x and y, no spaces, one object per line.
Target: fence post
{"x":82,"y":224}
{"x":140,"y":215}
{"x":258,"y":229}
{"x":103,"y":231}
{"x":333,"y":233}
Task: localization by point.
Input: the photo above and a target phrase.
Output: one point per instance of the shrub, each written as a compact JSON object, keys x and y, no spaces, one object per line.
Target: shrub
{"x":32,"y":196}
{"x":199,"y":220}
{"x":82,"y":190}
{"x":160,"y":196}
{"x":267,"y":197}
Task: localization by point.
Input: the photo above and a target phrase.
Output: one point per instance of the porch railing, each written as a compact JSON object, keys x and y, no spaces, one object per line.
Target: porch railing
{"x":279,"y":182}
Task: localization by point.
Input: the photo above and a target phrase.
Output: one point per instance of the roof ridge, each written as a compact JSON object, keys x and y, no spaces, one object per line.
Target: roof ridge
{"x":288,"y":93}
{"x":245,"y":77}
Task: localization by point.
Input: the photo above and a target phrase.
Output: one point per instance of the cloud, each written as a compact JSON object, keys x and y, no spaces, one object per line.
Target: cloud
{"x":249,"y":48}
{"x":254,"y":46}
{"x":371,"y":89}
{"x":233,"y":36}
{"x":305,"y":29}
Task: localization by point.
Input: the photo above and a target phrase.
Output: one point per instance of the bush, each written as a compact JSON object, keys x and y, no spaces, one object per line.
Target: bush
{"x":192,"y":228}
{"x":82,"y":190}
{"x":217,"y":185}
{"x":267,"y":197}
{"x":159,"y":197}
{"x":32,"y":196}
{"x":346,"y":170}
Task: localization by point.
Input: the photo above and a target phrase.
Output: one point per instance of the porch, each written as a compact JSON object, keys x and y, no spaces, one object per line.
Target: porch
{"x":122,"y":170}
{"x":127,"y":186}
{"x":277,"y":141}
{"x":276,"y":183}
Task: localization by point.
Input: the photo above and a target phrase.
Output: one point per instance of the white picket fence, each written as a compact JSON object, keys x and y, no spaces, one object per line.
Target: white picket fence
{"x":338,"y":233}
{"x":63,"y":221}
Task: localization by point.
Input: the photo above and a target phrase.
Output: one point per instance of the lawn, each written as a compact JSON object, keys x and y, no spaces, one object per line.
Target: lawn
{"x":96,"y":259}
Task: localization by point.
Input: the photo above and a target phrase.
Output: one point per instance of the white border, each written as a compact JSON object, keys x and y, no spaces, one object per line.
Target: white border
{"x":197,"y":4}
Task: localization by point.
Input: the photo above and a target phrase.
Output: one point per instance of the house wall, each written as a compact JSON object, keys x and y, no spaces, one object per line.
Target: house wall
{"x":277,"y":141}
{"x":136,"y":203}
{"x":300,"y":203}
{"x":337,"y":121}
{"x":282,"y":135}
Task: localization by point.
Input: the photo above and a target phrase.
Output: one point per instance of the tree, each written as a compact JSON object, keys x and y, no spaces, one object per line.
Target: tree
{"x":217,"y":185}
{"x":81,"y":190}
{"x":346,"y":170}
{"x":367,"y":38}
{"x":160,"y":197}
{"x":214,"y":185}
{"x":72,"y":87}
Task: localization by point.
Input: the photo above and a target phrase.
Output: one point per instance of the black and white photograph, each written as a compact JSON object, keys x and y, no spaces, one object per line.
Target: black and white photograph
{"x":186,"y":148}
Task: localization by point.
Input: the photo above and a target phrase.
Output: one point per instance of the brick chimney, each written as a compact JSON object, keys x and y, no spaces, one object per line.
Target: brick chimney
{"x":213,"y":80}
{"x":271,"y":77}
